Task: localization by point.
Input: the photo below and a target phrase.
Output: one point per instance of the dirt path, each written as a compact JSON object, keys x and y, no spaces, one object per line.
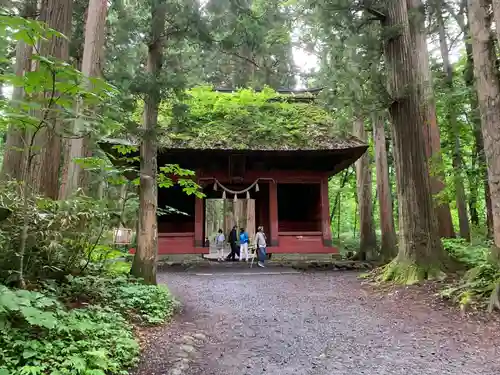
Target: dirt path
{"x":321,"y":323}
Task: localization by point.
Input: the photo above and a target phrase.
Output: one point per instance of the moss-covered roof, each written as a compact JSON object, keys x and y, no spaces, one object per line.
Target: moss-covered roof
{"x":248,"y":120}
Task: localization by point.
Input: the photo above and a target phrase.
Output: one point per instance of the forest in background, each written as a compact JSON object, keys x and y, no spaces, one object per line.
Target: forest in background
{"x":417,"y":80}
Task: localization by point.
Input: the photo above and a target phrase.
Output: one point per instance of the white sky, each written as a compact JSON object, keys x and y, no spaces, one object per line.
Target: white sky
{"x":306,"y":62}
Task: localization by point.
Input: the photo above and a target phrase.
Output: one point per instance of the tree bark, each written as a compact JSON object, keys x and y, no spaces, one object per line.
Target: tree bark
{"x":454,"y":133}
{"x":91,"y":67}
{"x":420,"y":254}
{"x":47,"y":161}
{"x":478,"y":155}
{"x":367,"y":236}
{"x":488,"y":91}
{"x":144,"y":264}
{"x":14,"y":159}
{"x":430,"y":126}
{"x":388,"y":237}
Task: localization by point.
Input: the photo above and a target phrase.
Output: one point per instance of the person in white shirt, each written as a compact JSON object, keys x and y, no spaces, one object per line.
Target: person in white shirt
{"x":260,"y":242}
{"x":219,"y":244}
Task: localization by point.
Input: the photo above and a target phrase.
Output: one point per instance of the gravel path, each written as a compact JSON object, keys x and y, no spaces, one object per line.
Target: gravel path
{"x":321,"y":323}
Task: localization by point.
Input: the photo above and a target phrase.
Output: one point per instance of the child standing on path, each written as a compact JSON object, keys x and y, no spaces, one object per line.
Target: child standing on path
{"x":219,"y":244}
{"x":243,"y":244}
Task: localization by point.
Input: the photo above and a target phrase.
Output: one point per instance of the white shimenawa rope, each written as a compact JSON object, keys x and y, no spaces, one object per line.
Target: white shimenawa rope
{"x":247,"y":190}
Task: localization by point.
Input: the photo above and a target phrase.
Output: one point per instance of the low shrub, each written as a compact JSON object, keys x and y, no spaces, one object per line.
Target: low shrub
{"x":469,"y":254}
{"x":479,"y":286}
{"x":150,"y":304}
{"x":40,"y":336}
{"x":108,"y":260}
{"x":347,"y":244}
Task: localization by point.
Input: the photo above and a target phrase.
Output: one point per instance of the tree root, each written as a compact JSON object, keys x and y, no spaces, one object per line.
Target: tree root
{"x":409,"y":273}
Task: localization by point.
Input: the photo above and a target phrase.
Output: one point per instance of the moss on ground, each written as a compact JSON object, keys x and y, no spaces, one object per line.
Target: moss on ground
{"x":409,"y":273}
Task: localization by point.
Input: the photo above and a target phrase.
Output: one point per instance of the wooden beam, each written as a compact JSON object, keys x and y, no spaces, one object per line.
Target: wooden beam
{"x":273,"y":214}
{"x":325,"y":213}
{"x":198,"y":222}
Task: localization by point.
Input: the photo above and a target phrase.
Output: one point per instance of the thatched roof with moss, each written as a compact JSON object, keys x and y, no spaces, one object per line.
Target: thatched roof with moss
{"x":249,"y":120}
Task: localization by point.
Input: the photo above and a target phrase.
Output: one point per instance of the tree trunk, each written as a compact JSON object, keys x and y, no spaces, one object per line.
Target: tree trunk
{"x":478,"y":153}
{"x":479,"y":156}
{"x":144,"y":264}
{"x":46,"y":164}
{"x":15,"y":148}
{"x":388,"y":240}
{"x":430,"y":126}
{"x":420,"y":255}
{"x":91,"y":67}
{"x":367,"y":236}
{"x":488,"y":92}
{"x":454,"y":133}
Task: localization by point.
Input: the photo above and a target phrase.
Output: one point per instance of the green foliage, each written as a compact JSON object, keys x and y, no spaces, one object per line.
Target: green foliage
{"x":480,"y":285}
{"x":139,"y":302}
{"x":52,"y":88}
{"x":250,"y":120}
{"x":111,"y":261}
{"x":470,"y":255}
{"x":169,"y":175}
{"x":40,"y":336}
{"x":79,"y":326}
{"x":64,"y":237}
{"x":347,"y":244}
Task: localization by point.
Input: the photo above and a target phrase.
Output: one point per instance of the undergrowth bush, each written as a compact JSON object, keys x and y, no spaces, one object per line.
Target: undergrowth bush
{"x":39,"y":335}
{"x":469,"y":254}
{"x":150,"y":304}
{"x":347,"y":244}
{"x":63,"y":236}
{"x":479,"y":286}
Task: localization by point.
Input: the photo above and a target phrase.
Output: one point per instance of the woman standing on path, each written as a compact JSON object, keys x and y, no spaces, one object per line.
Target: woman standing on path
{"x":243,"y":245}
{"x":260,"y":242}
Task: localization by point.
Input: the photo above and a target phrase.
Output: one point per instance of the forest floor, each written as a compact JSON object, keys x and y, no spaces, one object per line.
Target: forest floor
{"x":283,"y":322}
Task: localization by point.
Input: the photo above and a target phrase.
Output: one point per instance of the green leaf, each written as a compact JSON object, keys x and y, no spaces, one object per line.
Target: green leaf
{"x":29,"y":353}
{"x":38,"y":317}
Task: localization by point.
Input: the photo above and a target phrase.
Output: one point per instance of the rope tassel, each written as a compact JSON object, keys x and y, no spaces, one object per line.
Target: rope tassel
{"x":248,"y":195}
{"x":256,"y":188}
{"x":235,"y":197}
{"x":215,"y":186}
{"x":224,"y":194}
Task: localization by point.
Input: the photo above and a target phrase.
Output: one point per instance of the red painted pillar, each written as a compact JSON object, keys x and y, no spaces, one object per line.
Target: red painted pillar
{"x":325,"y":213}
{"x":198,"y":222}
{"x":273,"y":213}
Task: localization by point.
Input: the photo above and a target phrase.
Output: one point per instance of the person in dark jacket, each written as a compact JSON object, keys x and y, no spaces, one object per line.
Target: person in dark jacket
{"x":234,"y":243}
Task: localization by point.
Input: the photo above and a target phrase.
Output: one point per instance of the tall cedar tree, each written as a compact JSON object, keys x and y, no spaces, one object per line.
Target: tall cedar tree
{"x":454,"y":132}
{"x":431,"y":130}
{"x":421,"y":254}
{"x":92,"y":61}
{"x":144,"y":264}
{"x":488,"y":92}
{"x":388,"y":233}
{"x":478,"y":157}
{"x":368,"y":239}
{"x":46,"y":164}
{"x":14,"y":160}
